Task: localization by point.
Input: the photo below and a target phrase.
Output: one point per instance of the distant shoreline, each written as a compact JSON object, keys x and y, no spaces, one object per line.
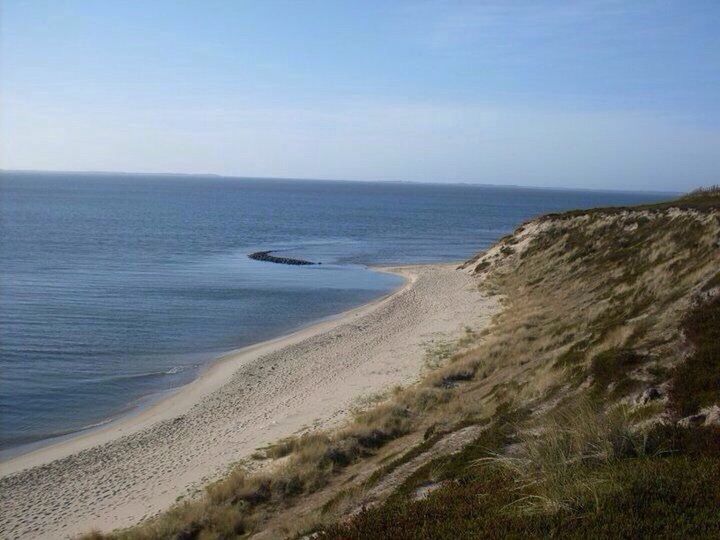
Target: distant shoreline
{"x":450,"y":183}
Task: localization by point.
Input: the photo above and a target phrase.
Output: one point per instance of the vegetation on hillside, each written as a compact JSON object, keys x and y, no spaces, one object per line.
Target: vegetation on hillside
{"x":593,"y":398}
{"x":582,"y":470}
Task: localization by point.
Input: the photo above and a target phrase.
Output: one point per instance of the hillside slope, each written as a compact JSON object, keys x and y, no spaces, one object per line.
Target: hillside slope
{"x":607,"y":358}
{"x":589,"y":407}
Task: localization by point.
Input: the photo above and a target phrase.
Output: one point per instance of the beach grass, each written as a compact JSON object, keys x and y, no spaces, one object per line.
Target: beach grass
{"x":581,"y":391}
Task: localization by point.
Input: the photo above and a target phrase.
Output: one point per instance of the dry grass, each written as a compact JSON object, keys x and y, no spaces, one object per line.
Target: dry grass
{"x":301,"y":465}
{"x":703,"y":192}
{"x":593,"y":304}
{"x":554,"y":471}
{"x":595,"y":312}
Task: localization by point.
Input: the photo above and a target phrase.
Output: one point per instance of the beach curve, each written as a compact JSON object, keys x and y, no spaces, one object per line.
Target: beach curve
{"x":118,"y":475}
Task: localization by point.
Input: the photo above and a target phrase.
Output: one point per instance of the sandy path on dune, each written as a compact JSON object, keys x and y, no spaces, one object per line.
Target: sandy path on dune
{"x":136,"y":467}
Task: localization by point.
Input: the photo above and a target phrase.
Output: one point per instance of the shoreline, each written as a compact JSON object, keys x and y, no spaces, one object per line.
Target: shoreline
{"x":158,"y":399}
{"x":139,"y":465}
{"x":137,"y":416}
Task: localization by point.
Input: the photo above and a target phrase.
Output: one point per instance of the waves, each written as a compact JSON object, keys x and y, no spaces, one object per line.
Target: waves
{"x":175,"y":370}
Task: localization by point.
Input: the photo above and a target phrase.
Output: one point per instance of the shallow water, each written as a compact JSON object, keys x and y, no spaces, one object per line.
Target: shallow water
{"x":116,"y":287}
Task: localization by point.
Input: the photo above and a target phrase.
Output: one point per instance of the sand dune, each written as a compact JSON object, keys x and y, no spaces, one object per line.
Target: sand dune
{"x":136,"y":467}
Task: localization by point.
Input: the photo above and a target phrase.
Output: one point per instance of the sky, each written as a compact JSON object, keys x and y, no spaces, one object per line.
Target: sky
{"x":598,"y":94}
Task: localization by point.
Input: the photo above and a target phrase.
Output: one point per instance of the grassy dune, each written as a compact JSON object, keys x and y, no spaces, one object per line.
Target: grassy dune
{"x":585,"y":409}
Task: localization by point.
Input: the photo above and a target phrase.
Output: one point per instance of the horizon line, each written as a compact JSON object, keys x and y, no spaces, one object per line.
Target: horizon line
{"x":307,"y":179}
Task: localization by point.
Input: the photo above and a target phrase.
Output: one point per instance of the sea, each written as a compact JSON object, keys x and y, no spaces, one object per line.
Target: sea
{"x":116,"y":289}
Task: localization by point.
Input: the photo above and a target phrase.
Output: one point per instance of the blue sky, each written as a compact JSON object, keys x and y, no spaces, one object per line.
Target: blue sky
{"x":595,"y":94}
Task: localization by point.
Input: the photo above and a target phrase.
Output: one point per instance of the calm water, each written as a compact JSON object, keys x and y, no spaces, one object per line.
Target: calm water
{"x":117,"y":287}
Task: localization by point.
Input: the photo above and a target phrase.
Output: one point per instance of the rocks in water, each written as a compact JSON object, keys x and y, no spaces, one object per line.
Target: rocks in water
{"x":266,"y":256}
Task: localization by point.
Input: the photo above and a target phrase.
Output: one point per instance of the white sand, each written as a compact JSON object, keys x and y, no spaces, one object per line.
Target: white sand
{"x":136,"y":467}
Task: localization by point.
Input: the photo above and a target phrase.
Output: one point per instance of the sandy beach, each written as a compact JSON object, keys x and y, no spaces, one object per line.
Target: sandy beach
{"x":133,"y":468}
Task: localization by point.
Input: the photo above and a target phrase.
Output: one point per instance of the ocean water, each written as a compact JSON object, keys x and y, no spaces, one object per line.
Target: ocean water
{"x":116,"y":288}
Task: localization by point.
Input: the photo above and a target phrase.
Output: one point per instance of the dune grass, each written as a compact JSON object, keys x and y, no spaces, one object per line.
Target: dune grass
{"x":597,"y":307}
{"x":672,"y":497}
{"x":597,"y":464}
{"x":586,"y":474}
